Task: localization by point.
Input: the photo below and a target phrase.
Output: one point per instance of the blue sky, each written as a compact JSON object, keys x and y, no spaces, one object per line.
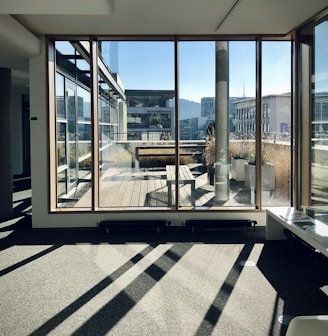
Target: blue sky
{"x":150,"y":65}
{"x":321,"y":56}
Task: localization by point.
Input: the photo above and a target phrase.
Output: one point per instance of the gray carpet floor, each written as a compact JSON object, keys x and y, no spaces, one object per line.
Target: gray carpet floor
{"x":84,"y":282}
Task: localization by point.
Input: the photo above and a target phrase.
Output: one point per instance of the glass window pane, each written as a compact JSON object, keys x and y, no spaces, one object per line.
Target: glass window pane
{"x":61,"y":143}
{"x":242,"y":126}
{"x":217,"y":117}
{"x":319,"y":153}
{"x":73,"y":104}
{"x":60,"y":96}
{"x":276,"y":123}
{"x":217,"y":120}
{"x":66,"y":57}
{"x":83,"y":104}
{"x":136,"y":124}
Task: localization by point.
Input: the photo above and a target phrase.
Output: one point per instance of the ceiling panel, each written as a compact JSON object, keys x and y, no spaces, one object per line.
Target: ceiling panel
{"x":181,"y":17}
{"x":270,"y":17}
{"x":137,"y":17}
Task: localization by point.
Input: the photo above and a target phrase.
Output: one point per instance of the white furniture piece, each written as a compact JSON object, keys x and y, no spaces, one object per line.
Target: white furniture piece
{"x":315,"y":325}
{"x":311,"y":231}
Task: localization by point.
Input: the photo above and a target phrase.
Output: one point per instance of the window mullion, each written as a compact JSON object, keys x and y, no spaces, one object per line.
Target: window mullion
{"x":94,"y":118}
{"x":258,"y":144}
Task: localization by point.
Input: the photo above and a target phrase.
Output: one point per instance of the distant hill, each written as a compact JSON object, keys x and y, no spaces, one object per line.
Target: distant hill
{"x":187,"y":108}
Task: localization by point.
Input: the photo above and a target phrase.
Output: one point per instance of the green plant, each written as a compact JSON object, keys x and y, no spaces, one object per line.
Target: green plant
{"x":152,"y":161}
{"x":242,"y":150}
{"x":267,"y":153}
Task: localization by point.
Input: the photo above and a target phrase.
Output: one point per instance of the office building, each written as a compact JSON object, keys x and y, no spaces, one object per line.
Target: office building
{"x":149,"y":116}
{"x":275,"y":116}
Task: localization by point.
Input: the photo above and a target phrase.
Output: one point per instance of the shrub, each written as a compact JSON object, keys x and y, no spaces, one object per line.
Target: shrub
{"x":209,"y":153}
{"x":165,"y":158}
{"x":242,"y":149}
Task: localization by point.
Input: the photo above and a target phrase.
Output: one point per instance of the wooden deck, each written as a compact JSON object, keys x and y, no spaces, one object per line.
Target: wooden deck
{"x":130,"y":189}
{"x":126,"y":187}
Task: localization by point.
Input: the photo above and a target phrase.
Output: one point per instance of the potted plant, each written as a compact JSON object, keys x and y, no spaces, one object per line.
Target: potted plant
{"x":268,"y":174}
{"x":240,"y":155}
{"x":238,"y":166}
{"x":209,"y":156}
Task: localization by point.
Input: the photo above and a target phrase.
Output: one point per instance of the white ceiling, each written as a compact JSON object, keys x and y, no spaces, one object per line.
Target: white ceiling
{"x":139,"y":17}
{"x":165,"y":16}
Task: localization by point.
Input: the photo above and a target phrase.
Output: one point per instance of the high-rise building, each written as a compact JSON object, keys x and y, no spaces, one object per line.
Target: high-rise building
{"x":109,"y":52}
{"x":207,"y":106}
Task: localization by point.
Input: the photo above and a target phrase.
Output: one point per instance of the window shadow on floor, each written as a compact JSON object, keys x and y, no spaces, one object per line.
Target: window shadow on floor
{"x":298,"y":277}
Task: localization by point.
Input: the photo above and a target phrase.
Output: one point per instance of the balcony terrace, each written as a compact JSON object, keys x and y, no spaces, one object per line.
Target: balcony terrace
{"x":134,"y":175}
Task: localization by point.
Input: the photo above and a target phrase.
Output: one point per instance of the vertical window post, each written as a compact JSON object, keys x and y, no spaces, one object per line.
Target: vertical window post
{"x":258,"y":126}
{"x":94,"y":118}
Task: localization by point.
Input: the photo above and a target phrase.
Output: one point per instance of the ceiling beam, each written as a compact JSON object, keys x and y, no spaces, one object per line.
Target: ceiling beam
{"x":18,"y":38}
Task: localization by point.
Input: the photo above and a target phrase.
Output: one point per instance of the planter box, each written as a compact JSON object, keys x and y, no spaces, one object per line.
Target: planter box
{"x":238,"y":169}
{"x":268,"y":177}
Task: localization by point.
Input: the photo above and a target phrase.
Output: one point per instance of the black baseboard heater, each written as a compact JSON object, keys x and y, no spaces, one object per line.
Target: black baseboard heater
{"x":221,"y":224}
{"x":118,"y":225}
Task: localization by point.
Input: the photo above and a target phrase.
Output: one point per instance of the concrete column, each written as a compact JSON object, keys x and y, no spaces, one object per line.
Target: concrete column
{"x":6,"y":179}
{"x":222,"y":184}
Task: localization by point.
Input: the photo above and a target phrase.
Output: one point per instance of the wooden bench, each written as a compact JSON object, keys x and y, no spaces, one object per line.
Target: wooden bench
{"x":157,"y":151}
{"x":185,"y":177}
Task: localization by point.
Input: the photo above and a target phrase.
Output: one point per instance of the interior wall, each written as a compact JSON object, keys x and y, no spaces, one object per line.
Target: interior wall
{"x":16,"y":134}
{"x":6,"y":186}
